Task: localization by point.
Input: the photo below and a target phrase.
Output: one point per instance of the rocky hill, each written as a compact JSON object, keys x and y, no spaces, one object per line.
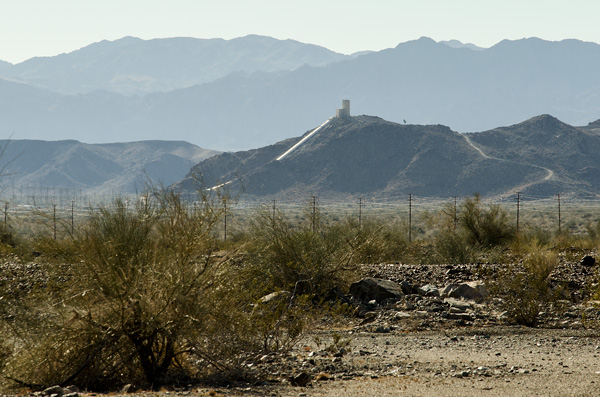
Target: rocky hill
{"x":570,"y":156}
{"x":116,"y":167}
{"x":371,"y":157}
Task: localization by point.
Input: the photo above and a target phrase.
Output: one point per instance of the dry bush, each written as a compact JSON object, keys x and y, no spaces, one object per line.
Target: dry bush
{"x":281,"y":320}
{"x":484,"y":227}
{"x":593,"y":232}
{"x":376,"y":241}
{"x":146,"y":301}
{"x":470,"y":232}
{"x":310,"y":258}
{"x":526,"y":289}
{"x":529,"y":238}
{"x":452,"y":247}
{"x":288,"y":270}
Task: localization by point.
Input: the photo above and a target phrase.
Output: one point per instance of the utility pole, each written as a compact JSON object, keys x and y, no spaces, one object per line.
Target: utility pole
{"x":5,"y":212}
{"x":455,"y":214}
{"x":274,"y":211}
{"x":54,"y":219}
{"x":225,"y":219}
{"x":72,"y":217}
{"x":314,"y":214}
{"x":410,"y":217}
{"x":559,"y":219}
{"x":518,"y":208}
{"x":360,"y":205}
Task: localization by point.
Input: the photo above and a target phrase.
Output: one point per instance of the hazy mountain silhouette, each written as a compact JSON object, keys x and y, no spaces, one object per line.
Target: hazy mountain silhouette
{"x":5,"y":65}
{"x":458,"y":44}
{"x":370,"y":157}
{"x":119,"y":167}
{"x":420,"y":81}
{"x":134,"y":66}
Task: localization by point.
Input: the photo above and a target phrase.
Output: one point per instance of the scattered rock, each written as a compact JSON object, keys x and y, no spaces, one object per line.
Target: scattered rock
{"x":301,"y":380}
{"x":408,"y":288}
{"x":460,"y":316}
{"x":370,"y":288}
{"x":472,"y":290}
{"x":129,"y":388}
{"x":322,"y":377}
{"x":54,"y":390}
{"x":588,"y":261}
{"x":429,"y":290}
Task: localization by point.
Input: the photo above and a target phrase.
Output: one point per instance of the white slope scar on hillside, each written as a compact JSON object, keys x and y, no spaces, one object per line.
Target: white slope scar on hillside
{"x":219,"y":186}
{"x":549,"y":173}
{"x":290,"y":150}
{"x":301,"y":141}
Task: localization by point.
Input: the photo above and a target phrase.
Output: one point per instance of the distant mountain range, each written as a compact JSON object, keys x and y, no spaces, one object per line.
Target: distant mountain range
{"x":374,"y":158}
{"x":116,"y":167}
{"x":250,"y":92}
{"x":134,"y":66}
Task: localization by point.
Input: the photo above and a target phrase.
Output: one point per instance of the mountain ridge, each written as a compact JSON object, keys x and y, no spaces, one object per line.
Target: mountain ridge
{"x":131,"y":65}
{"x":370,"y":156}
{"x":95,"y":168}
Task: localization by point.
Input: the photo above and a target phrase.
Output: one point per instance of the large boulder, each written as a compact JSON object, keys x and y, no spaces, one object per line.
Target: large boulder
{"x":378,"y":289}
{"x":472,"y":290}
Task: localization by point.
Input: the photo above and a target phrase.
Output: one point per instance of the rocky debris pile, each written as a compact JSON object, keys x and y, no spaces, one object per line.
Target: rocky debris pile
{"x":387,"y":306}
{"x":426,"y":274}
{"x":582,"y":278}
{"x":446,"y":296}
{"x":17,"y":279}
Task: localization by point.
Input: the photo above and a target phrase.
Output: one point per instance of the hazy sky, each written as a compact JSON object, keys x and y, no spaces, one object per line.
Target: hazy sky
{"x":49,"y":27}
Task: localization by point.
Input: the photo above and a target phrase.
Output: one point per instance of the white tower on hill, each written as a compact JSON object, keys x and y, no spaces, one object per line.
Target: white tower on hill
{"x":344,"y":112}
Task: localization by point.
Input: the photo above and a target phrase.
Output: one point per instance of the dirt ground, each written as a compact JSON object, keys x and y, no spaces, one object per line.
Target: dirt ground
{"x":505,"y":361}
{"x":498,"y":361}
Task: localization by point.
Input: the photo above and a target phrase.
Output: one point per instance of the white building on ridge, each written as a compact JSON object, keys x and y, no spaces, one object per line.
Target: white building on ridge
{"x":344,"y":112}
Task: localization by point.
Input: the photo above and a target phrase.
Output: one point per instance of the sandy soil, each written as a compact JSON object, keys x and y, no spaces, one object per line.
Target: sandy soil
{"x":498,"y":361}
{"x":507,"y":361}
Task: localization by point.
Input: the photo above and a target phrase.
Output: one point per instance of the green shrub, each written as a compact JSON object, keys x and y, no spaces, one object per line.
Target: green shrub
{"x":471,"y":232}
{"x":485,"y":227}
